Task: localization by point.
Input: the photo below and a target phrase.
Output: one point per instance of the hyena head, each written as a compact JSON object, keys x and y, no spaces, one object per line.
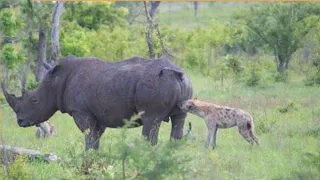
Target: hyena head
{"x":189,"y":106}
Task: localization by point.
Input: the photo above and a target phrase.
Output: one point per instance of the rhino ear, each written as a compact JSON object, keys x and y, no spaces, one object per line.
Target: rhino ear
{"x":53,"y":71}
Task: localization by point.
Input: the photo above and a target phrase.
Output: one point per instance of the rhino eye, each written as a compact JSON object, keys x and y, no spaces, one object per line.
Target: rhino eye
{"x":34,"y":100}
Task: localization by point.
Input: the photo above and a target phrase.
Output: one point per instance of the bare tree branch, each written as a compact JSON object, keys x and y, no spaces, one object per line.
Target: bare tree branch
{"x":151,"y":25}
{"x":149,"y":31}
{"x":55,"y":31}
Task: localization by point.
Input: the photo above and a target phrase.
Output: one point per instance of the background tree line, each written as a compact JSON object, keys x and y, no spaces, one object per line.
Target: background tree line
{"x":244,"y":45}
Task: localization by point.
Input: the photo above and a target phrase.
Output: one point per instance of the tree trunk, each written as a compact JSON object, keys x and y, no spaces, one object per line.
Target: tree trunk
{"x":149,"y":41}
{"x":154,"y":6}
{"x":280,"y":65}
{"x":149,"y":31}
{"x":196,"y":4}
{"x":55,"y":31}
{"x":41,"y":54}
{"x":287,"y":62}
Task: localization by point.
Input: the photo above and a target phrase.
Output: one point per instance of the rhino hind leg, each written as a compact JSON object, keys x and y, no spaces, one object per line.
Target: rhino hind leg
{"x":177,"y":122}
{"x":150,"y":129}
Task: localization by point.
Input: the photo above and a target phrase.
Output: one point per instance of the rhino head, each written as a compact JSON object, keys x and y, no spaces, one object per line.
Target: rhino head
{"x":33,"y":107}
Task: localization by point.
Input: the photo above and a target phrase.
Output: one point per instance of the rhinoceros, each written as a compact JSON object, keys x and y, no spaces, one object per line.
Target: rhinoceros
{"x":100,"y":94}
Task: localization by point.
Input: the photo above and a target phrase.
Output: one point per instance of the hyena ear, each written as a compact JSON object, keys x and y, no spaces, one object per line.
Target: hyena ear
{"x":196,"y":98}
{"x":191,"y":106}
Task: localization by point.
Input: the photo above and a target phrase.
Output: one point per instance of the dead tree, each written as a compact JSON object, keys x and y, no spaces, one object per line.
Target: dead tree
{"x":149,"y":31}
{"x":55,"y":31}
{"x":151,"y":25}
{"x":41,"y":57}
{"x":196,"y":4}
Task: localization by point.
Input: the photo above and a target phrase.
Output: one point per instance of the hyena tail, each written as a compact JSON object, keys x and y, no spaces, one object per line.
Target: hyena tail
{"x":188,"y":132}
{"x":249,"y":125}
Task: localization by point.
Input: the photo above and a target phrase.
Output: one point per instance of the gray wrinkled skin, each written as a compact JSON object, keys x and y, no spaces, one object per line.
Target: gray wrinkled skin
{"x":99,"y":94}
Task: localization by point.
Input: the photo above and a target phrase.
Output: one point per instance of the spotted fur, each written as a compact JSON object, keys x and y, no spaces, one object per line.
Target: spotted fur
{"x":217,"y":116}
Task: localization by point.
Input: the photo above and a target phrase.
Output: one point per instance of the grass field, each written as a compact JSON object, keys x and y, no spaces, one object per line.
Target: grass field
{"x":286,"y":138}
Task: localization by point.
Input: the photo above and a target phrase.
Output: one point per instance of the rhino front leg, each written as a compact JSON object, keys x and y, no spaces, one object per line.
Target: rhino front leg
{"x":84,"y":122}
{"x":93,"y":138}
{"x":177,"y":122}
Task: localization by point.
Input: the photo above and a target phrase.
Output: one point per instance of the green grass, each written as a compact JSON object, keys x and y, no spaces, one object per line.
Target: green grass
{"x":285,"y":137}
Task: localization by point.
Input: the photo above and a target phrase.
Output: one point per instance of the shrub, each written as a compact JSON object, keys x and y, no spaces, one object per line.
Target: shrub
{"x":312,"y":78}
{"x":281,"y":77}
{"x":133,"y":159}
{"x":31,"y":85}
{"x":234,"y":64}
{"x":19,"y":169}
{"x":290,"y":106}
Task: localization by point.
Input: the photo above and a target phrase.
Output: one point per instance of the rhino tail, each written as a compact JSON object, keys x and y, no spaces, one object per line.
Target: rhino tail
{"x":177,"y":72}
{"x":136,"y":123}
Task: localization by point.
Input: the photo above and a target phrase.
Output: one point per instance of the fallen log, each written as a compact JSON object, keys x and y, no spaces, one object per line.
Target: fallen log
{"x":10,"y":153}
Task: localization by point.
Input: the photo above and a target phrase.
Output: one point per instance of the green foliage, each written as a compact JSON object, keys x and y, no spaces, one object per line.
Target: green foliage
{"x":73,"y":40}
{"x":93,"y":15}
{"x":234,"y":64}
{"x":254,"y":79}
{"x":2,"y":99}
{"x":313,"y":78}
{"x":290,"y":106}
{"x":114,"y":44}
{"x":9,"y":23}
{"x":281,"y":77}
{"x":133,"y":159}
{"x":11,"y":55}
{"x":19,"y":169}
{"x":31,"y":85}
{"x":282,"y":26}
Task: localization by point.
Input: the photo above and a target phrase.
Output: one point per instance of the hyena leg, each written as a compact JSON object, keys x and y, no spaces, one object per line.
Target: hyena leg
{"x":255,"y":138}
{"x":244,"y":132}
{"x":214,"y":137}
{"x":209,"y":137}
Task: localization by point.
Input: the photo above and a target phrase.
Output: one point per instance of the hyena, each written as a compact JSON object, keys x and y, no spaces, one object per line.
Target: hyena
{"x":217,"y":116}
{"x":45,"y":129}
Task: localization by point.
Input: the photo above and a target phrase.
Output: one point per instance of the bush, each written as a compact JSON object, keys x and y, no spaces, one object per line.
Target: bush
{"x":19,"y":169}
{"x":290,"y":106}
{"x":2,"y":99}
{"x":133,"y":159}
{"x":234,"y":64}
{"x":281,"y":77}
{"x":312,"y":78}
{"x":31,"y":85}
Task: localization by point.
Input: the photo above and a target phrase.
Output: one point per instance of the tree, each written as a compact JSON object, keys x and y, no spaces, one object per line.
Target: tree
{"x":55,"y":31}
{"x":38,"y":14}
{"x":92,"y":15}
{"x":11,"y":48}
{"x":196,"y":4}
{"x":150,"y":19}
{"x":282,"y":27}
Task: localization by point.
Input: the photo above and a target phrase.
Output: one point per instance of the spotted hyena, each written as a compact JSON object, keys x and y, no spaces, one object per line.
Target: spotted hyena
{"x":217,"y":116}
{"x":45,"y":129}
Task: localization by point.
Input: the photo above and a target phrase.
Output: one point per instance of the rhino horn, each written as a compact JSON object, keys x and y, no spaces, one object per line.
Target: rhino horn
{"x":11,"y":99}
{"x":47,"y":66}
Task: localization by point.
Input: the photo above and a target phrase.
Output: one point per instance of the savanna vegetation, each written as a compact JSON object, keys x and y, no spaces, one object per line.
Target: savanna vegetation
{"x":261,"y":57}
